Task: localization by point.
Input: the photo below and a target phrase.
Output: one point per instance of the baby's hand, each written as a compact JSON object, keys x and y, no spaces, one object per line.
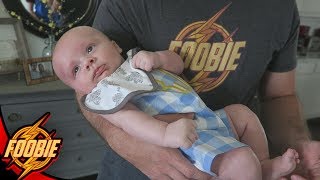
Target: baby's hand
{"x":181,"y":133}
{"x":146,"y":60}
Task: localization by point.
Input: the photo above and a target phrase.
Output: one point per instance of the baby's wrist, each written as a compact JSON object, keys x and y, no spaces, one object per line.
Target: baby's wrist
{"x":157,"y":61}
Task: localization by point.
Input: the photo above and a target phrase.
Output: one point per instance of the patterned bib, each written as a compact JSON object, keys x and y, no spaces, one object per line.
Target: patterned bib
{"x":114,"y":91}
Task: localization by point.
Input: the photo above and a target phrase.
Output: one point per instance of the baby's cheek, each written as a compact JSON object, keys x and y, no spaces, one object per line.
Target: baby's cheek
{"x":82,"y":88}
{"x":90,"y":87}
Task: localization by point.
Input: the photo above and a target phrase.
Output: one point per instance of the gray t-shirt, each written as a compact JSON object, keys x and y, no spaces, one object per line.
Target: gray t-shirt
{"x":226,"y":45}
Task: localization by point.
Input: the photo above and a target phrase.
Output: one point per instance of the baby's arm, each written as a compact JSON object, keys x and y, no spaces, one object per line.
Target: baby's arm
{"x":180,"y":133}
{"x":166,"y":60}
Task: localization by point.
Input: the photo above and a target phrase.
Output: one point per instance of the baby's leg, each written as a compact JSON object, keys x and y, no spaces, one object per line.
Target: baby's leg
{"x":248,"y":128}
{"x":240,"y":163}
{"x":250,"y":131}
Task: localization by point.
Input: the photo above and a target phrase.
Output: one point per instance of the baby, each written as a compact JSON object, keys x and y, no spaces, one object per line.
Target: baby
{"x":128,"y":93}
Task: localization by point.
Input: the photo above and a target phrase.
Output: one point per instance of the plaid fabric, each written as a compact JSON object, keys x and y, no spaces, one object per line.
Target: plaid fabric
{"x":176,"y":96}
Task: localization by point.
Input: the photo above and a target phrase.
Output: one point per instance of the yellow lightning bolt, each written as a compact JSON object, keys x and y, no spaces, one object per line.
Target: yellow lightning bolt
{"x":31,"y":163}
{"x":33,"y":130}
{"x":28,"y":166}
{"x":205,"y":31}
{"x":202,"y":34}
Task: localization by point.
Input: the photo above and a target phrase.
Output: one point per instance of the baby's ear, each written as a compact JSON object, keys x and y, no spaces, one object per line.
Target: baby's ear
{"x":116,"y":46}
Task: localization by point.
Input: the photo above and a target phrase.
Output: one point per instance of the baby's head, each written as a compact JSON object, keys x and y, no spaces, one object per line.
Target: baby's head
{"x":83,"y":56}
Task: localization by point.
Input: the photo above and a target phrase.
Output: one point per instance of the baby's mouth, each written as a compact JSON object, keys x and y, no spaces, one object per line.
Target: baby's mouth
{"x":99,"y":71}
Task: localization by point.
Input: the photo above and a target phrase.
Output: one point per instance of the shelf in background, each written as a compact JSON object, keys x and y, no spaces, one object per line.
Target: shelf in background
{"x":309,"y":8}
{"x":308,"y":65}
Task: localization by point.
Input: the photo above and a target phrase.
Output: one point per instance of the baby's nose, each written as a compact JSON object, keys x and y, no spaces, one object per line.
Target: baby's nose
{"x":89,"y":62}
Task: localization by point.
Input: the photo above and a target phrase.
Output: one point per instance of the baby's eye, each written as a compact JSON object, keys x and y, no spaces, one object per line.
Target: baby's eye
{"x":75,"y":70}
{"x":90,"y":49}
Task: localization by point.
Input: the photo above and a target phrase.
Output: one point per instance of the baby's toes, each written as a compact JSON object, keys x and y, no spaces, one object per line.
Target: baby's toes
{"x":291,"y":156}
{"x":296,"y":157}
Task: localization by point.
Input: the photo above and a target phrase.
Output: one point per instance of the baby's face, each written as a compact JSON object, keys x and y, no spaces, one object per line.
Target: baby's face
{"x":83,"y":57}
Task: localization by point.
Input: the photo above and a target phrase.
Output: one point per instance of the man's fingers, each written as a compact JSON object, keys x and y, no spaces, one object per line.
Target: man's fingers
{"x":170,"y":173}
{"x":189,"y":170}
{"x":176,"y":174}
{"x":199,"y":175}
{"x":163,"y":177}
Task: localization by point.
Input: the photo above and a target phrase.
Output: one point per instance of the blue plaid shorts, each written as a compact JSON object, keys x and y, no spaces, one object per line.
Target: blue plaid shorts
{"x":212,"y":142}
{"x":213,"y":127}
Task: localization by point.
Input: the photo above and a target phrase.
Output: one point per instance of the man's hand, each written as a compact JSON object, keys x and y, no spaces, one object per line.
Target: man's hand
{"x":165,"y":163}
{"x":181,"y":133}
{"x":309,"y":167}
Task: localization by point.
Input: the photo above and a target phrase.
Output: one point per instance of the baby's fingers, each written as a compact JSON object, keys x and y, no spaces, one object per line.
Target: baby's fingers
{"x":148,"y":67}
{"x":193,"y":137}
{"x":134,"y":62}
{"x":187,"y":143}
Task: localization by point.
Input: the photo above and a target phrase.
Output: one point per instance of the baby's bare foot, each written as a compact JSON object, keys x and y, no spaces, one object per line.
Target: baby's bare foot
{"x":280,"y":166}
{"x":289,"y":160}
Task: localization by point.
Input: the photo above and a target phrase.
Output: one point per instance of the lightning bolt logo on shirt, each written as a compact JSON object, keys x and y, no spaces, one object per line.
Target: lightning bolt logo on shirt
{"x":209,"y":51}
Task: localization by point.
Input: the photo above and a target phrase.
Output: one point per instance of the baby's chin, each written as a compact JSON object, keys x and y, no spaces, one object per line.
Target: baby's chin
{"x":83,"y":91}
{"x":87,"y":91}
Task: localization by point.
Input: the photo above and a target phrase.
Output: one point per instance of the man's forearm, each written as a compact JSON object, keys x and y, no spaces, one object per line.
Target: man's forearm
{"x":283,"y":122}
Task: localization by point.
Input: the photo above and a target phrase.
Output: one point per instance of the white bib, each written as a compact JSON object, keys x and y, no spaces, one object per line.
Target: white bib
{"x":114,"y":91}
